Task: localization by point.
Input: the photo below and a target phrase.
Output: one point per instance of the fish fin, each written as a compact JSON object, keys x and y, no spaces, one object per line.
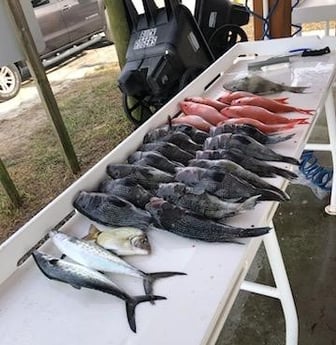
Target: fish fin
{"x":78,"y":287}
{"x":279,"y":138}
{"x":253,"y":232}
{"x":150,"y":278}
{"x":63,"y":256}
{"x":289,"y":175}
{"x":296,"y":89}
{"x":133,"y":302}
{"x":251,"y":202}
{"x":290,"y":160}
{"x":54,"y":261}
{"x":92,"y":234}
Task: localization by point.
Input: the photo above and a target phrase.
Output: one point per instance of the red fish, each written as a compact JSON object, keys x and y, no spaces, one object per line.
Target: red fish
{"x":259,"y":114}
{"x":270,"y":105}
{"x":208,"y":101}
{"x":193,"y":120}
{"x":228,"y":97}
{"x":208,"y":113}
{"x":261,"y":126}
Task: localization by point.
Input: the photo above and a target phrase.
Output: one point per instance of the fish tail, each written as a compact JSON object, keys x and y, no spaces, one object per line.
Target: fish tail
{"x":305,"y":111}
{"x":290,"y":160}
{"x":283,"y":100}
{"x":150,"y":278}
{"x":296,"y":89}
{"x":254,"y":232}
{"x":289,"y":175}
{"x":250,"y":203}
{"x":270,"y":195}
{"x":279,"y":138}
{"x":131,"y":305}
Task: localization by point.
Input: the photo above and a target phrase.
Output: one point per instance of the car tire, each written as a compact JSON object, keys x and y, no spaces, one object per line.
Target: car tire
{"x":108,"y":32}
{"x":10,"y":82}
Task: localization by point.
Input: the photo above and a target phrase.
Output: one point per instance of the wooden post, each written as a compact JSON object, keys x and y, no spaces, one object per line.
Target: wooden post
{"x":281,"y":19}
{"x":37,"y":71}
{"x":119,"y":27}
{"x":258,"y":24}
{"x":9,"y":186}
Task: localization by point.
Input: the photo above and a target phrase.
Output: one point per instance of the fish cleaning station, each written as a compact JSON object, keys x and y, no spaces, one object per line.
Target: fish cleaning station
{"x":58,"y":281}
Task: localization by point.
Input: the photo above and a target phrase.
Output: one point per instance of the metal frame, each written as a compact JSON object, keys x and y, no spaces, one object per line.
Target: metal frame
{"x":331,"y":147}
{"x":282,"y":291}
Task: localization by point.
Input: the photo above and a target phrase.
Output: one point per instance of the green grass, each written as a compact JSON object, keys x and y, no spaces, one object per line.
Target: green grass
{"x":94,"y":118}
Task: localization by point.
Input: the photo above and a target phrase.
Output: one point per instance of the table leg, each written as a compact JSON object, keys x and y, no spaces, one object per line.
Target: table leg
{"x":331,"y":121}
{"x":282,"y":291}
{"x":281,"y":281}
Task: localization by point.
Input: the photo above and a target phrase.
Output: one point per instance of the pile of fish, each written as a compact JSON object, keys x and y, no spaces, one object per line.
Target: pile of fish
{"x":188,"y":177}
{"x":91,"y":262}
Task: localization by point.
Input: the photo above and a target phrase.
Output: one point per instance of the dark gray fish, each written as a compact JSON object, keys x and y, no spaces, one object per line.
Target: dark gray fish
{"x":155,"y":160}
{"x":247,"y":145}
{"x":182,"y":140}
{"x":146,"y":176}
{"x":195,"y":134}
{"x":128,"y":189}
{"x":155,"y":134}
{"x":224,"y":185}
{"x":183,"y":223}
{"x":202,"y":204}
{"x":261,"y":86}
{"x":169,"y":150}
{"x":228,"y":166}
{"x":256,"y":166}
{"x":79,"y":276}
{"x":251,"y":131}
{"x":111,"y":210}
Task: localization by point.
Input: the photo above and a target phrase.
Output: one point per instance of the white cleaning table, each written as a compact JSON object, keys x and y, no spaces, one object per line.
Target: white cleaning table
{"x":36,"y":311}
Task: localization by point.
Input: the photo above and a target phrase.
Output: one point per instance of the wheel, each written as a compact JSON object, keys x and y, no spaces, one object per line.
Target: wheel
{"x":138,"y":111}
{"x":225,"y":37}
{"x":10,"y":82}
{"x":107,"y":30}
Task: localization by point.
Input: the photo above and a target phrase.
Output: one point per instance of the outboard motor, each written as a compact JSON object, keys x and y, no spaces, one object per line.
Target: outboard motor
{"x":220,"y":21}
{"x":166,"y":51}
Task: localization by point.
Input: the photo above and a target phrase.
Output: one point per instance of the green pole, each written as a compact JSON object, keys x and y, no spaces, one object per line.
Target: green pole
{"x":9,"y":186}
{"x":42,"y":83}
{"x":119,"y":28}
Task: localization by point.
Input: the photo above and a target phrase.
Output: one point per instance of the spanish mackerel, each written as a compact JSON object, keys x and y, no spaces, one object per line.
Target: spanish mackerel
{"x":79,"y":276}
{"x":93,"y":256}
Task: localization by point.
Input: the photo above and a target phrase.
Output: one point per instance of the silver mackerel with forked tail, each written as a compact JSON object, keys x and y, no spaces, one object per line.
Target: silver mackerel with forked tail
{"x":79,"y":276}
{"x":93,"y":256}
